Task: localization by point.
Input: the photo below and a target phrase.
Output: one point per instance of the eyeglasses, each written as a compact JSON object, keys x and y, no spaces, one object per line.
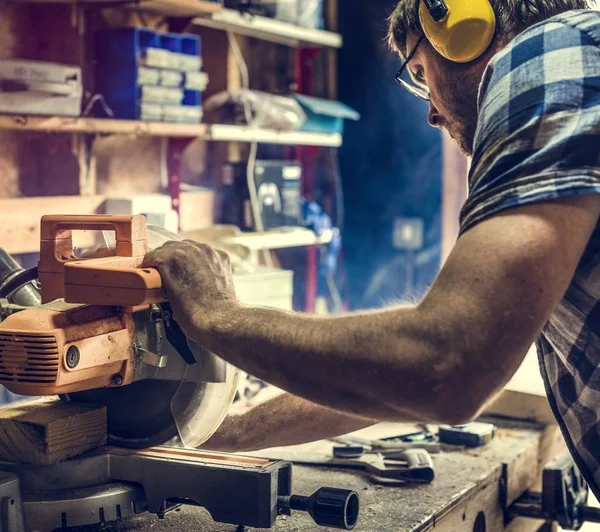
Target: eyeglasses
{"x":417,"y":90}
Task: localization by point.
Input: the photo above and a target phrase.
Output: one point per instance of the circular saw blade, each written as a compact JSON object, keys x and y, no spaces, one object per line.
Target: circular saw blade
{"x":138,"y":415}
{"x":152,"y":412}
{"x":156,"y":411}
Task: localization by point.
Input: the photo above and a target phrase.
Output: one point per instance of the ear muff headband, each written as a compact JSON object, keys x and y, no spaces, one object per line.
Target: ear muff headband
{"x":463,"y":30}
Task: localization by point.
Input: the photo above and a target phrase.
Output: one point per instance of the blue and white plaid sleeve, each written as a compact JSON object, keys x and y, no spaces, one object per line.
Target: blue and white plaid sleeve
{"x":538,"y":134}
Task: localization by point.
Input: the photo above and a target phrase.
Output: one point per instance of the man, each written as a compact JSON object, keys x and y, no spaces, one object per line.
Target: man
{"x":526,"y":264}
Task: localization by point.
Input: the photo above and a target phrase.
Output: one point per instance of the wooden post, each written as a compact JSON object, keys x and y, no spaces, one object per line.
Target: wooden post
{"x":454,"y":193}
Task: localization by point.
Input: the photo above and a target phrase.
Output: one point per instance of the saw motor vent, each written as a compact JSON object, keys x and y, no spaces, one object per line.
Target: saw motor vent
{"x":27,"y":358}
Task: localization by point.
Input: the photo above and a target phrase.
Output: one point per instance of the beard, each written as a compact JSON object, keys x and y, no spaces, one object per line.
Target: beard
{"x":463,"y":135}
{"x":459,"y":102}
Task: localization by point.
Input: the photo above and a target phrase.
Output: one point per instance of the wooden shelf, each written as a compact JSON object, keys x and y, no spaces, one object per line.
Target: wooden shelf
{"x":281,"y":238}
{"x":268,"y":29}
{"x":178,"y":8}
{"x":213,"y":15}
{"x":209,"y":132}
{"x":168,"y":8}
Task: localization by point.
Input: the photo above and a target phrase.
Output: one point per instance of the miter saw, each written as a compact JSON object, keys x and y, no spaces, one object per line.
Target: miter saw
{"x":99,"y":330}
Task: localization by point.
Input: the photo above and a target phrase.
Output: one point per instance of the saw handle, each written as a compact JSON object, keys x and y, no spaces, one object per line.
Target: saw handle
{"x":116,"y":280}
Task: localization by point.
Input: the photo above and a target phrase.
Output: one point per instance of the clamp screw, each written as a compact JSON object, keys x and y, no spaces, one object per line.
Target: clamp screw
{"x":73,"y":357}
{"x":117,"y":380}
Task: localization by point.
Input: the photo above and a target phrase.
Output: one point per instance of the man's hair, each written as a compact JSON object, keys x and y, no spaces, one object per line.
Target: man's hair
{"x":512,"y":17}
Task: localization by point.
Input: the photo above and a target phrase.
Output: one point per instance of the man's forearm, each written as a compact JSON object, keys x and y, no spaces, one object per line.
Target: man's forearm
{"x":283,"y":420}
{"x":384,"y":365}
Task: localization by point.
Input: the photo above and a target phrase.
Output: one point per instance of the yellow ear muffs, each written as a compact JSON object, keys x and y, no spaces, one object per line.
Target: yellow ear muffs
{"x":464,"y":33}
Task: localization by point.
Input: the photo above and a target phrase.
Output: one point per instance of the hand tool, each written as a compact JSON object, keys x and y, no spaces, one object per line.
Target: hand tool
{"x":413,"y":465}
{"x":472,"y":434}
{"x":388,"y":444}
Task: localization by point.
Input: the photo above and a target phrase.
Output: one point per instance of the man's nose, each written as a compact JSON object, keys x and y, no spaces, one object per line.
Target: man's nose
{"x":433,"y":117}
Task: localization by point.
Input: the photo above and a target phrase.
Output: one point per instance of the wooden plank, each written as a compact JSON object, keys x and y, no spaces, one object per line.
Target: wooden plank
{"x":167,"y":8}
{"x":47,"y":431}
{"x":280,"y":239}
{"x":515,"y":404}
{"x":178,"y":8}
{"x":58,"y":124}
{"x":269,"y":29}
{"x":196,"y":209}
{"x":212,"y":132}
{"x":454,"y":192}
{"x":20,"y":218}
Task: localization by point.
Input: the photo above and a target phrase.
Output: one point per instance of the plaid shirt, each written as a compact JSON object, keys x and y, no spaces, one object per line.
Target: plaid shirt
{"x":538,"y":138}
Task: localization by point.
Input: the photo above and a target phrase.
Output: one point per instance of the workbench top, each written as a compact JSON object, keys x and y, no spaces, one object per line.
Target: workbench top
{"x":467,"y":482}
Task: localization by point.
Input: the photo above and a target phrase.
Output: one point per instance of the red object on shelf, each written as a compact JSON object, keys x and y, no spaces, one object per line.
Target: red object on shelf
{"x":175,"y":149}
{"x":307,"y":156}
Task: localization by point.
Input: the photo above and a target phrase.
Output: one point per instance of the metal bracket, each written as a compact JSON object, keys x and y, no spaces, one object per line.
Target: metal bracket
{"x":563,"y":498}
{"x":175,"y":335}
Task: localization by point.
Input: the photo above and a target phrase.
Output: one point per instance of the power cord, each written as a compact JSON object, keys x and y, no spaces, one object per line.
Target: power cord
{"x":251,"y":166}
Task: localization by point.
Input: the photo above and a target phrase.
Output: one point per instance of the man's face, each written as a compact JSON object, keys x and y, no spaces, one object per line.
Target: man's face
{"x":453,"y":88}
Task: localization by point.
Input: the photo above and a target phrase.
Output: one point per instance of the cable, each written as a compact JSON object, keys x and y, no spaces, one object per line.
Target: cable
{"x":339,"y":191}
{"x":243,"y":67}
{"x":100,"y":99}
{"x":18,"y":281}
{"x":336,"y":298}
{"x":251,"y":166}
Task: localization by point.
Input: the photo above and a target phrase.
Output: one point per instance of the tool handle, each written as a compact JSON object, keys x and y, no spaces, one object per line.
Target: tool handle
{"x":128,"y":229}
{"x":112,"y":281}
{"x":419,"y":465}
{"x":331,"y":507}
{"x":590,"y":514}
{"x":115,"y":280}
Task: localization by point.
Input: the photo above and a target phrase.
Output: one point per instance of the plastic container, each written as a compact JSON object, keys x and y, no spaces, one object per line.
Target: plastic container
{"x":140,"y":72}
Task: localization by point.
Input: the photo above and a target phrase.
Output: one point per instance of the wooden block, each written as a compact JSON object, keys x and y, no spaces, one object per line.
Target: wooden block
{"x":514,"y":404}
{"x":196,"y":209}
{"x":21,"y":218}
{"x":48,"y":431}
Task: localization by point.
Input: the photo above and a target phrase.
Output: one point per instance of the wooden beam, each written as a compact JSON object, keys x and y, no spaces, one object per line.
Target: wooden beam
{"x":196,"y":209}
{"x":20,"y":218}
{"x":167,"y":8}
{"x":209,"y":132}
{"x":454,"y":192}
{"x":269,"y":29}
{"x":47,"y":431}
{"x":515,"y":404}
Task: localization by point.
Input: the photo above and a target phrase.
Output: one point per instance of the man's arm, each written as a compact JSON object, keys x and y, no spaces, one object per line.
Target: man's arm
{"x":283,"y":420}
{"x":438,"y":362}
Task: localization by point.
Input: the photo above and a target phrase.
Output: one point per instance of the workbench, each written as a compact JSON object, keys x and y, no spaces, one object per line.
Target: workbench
{"x":468,"y":489}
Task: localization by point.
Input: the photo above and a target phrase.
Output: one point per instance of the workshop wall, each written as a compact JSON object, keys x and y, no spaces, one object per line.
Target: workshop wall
{"x":37,"y":164}
{"x":33,"y":162}
{"x":391,"y":164}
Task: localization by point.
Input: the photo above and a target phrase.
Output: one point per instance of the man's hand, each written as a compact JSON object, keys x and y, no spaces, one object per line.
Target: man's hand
{"x":197,"y":280}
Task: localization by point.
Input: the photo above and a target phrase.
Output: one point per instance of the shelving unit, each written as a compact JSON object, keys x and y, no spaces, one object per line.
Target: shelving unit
{"x":213,"y":15}
{"x":268,"y":29}
{"x":75,"y":20}
{"x":167,"y":8}
{"x":211,"y":132}
{"x":281,"y":239}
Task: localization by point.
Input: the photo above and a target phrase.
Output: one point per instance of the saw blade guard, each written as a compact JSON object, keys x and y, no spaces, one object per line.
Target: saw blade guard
{"x":198,"y":408}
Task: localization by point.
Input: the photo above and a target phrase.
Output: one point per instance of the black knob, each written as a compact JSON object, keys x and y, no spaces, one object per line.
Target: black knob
{"x":331,"y":507}
{"x":437,"y":9}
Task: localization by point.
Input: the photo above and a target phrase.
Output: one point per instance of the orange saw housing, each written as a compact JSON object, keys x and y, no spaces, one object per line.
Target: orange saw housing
{"x":84,"y":338}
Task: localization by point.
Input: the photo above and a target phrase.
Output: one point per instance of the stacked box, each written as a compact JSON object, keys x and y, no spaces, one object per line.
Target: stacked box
{"x":148,"y":75}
